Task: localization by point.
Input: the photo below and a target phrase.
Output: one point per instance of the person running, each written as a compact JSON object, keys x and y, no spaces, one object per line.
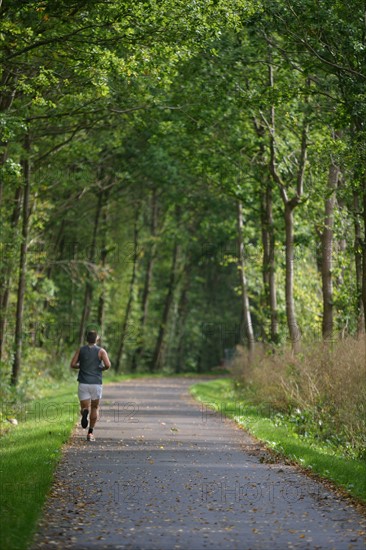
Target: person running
{"x":91,"y":360}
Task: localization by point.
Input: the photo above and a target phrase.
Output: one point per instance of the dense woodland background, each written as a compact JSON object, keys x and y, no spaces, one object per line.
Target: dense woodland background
{"x":186,"y":176}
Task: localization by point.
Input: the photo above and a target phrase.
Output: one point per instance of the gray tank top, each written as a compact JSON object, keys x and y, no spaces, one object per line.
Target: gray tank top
{"x":90,"y":372}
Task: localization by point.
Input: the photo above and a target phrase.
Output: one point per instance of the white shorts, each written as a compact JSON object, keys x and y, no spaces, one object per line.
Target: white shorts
{"x":89,"y":391}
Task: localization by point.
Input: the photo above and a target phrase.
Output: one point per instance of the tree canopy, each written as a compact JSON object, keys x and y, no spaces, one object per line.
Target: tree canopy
{"x":184,"y":176}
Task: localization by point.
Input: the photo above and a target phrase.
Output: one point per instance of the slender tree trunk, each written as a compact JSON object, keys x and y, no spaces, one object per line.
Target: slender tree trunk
{"x":58,"y":244}
{"x":265,"y":243}
{"x":289,"y":206}
{"x":358,"y":265}
{"x":327,"y":253}
{"x":150,"y":265}
{"x":272,"y":272}
{"x":269,"y":272}
{"x":139,"y":353}
{"x":364,"y":253}
{"x":268,"y":240}
{"x":158,"y":356}
{"x":290,"y":257}
{"x":104,"y":253}
{"x":101,"y":300}
{"x":3,"y":157}
{"x":247,"y":319}
{"x":88,"y":295}
{"x":8,"y":268}
{"x":18,"y":341}
{"x":130,"y":297}
{"x":182,"y":318}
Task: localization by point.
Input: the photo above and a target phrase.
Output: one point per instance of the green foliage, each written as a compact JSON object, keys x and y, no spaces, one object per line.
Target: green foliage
{"x":125,"y":100}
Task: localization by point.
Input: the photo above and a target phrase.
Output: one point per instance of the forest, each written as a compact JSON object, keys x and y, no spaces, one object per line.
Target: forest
{"x":184,"y":176}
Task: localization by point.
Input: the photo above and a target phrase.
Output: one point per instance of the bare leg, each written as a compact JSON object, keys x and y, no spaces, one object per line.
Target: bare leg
{"x":84,"y":404}
{"x":94,"y":412}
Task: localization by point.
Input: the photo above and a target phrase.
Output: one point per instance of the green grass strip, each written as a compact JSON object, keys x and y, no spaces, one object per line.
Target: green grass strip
{"x":29,"y":454}
{"x":349,"y":474}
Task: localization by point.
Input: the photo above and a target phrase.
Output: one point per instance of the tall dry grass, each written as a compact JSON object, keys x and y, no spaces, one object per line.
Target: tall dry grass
{"x":323,"y":388}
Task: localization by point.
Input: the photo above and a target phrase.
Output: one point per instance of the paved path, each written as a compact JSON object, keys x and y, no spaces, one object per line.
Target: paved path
{"x":166,"y":474}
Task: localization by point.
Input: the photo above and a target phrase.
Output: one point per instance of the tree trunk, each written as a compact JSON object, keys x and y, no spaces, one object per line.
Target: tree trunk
{"x":101,"y":299}
{"x":182,"y":318}
{"x":149,"y":270}
{"x":158,"y":356}
{"x":89,"y":286}
{"x":104,"y":253}
{"x":139,"y":353}
{"x":364,"y":253}
{"x":3,"y":157}
{"x":265,"y":242}
{"x":247,"y":320}
{"x":289,"y":206}
{"x":360,"y":312}
{"x":268,"y":240}
{"x":57,"y":246}
{"x":130,"y":297}
{"x":269,"y":276}
{"x":327,"y":253}
{"x":18,"y":341}
{"x":272,"y":283}
{"x":290,"y":256}
{"x":7,"y":279}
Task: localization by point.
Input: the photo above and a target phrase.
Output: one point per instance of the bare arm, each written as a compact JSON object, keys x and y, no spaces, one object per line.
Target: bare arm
{"x":103,"y":355}
{"x":74,"y":361}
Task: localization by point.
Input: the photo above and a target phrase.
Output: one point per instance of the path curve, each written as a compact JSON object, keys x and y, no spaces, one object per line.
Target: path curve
{"x":165,"y":473}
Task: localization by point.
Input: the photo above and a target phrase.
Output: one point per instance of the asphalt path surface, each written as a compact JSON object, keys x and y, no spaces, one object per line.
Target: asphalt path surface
{"x":167,"y":473}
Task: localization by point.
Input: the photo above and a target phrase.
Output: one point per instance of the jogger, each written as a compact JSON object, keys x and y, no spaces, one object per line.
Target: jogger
{"x":91,"y":360}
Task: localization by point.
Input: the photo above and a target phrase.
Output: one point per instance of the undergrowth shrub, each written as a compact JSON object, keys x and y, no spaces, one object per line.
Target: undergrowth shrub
{"x":40,"y":372}
{"x":321,"y":391}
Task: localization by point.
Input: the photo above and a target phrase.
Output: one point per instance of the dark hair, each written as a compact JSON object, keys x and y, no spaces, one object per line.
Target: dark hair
{"x":92,"y":336}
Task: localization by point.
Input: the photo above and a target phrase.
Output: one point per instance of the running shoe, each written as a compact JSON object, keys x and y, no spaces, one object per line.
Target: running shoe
{"x":84,"y":418}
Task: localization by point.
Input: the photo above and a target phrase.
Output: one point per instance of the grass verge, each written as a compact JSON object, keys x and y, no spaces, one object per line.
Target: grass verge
{"x":346,"y":473}
{"x":29,"y":453}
